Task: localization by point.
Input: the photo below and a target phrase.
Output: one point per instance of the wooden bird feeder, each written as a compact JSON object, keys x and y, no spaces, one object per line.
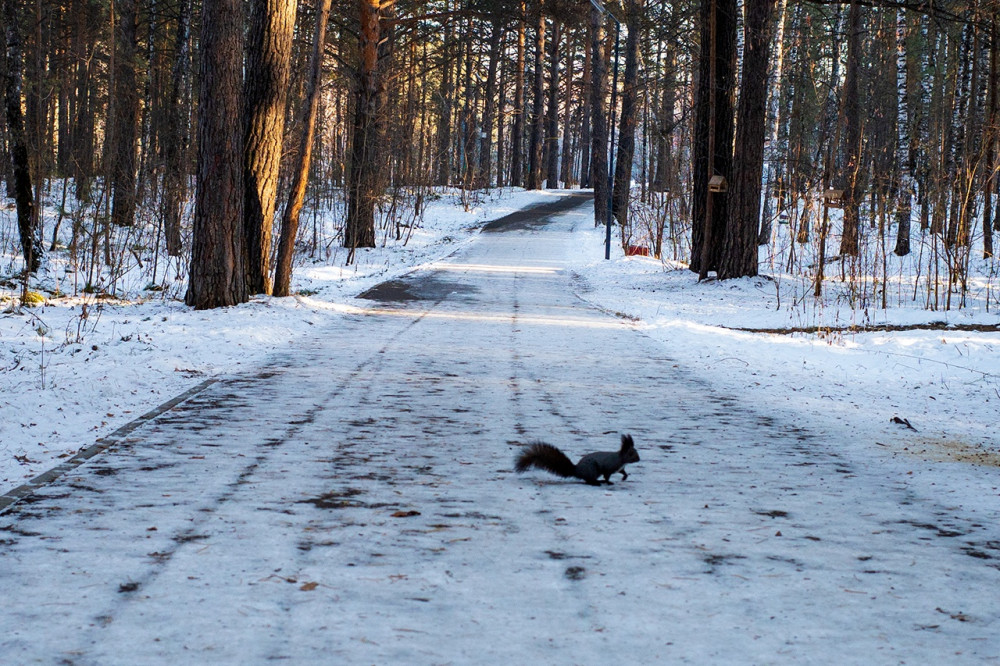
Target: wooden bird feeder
{"x":834,"y":198}
{"x":717,"y":184}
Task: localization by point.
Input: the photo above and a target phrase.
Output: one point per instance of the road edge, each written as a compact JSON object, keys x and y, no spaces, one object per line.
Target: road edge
{"x":12,"y":497}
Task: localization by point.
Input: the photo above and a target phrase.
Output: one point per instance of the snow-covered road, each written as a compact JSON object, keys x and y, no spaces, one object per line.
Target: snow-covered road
{"x":353,"y":502}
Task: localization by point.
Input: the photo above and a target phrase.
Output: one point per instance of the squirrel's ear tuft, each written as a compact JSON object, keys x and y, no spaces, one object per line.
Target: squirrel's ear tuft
{"x":627,"y":442}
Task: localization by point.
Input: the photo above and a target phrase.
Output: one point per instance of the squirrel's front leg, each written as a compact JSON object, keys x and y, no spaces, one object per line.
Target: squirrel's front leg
{"x":624,"y":475}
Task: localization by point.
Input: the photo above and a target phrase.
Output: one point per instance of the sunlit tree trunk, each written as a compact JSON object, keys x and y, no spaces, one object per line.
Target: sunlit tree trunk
{"x":362,"y":188}
{"x":268,"y":66}
{"x":300,"y":175}
{"x":218,"y":275}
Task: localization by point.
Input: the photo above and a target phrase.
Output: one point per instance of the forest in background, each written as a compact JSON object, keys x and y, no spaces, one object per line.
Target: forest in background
{"x":174,"y":139}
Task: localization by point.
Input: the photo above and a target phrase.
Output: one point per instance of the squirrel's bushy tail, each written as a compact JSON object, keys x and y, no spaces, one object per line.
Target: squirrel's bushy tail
{"x":547,"y":457}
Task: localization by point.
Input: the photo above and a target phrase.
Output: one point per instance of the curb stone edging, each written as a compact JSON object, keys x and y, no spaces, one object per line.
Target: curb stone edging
{"x":10,"y":498}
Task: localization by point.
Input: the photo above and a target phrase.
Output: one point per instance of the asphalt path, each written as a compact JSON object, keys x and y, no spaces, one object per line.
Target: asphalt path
{"x":353,"y":501}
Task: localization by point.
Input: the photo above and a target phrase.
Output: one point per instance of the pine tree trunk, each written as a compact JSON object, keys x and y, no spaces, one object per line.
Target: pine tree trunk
{"x":629,"y":117}
{"x":125,"y":106}
{"x":444,"y":105}
{"x":501,"y":128}
{"x":218,"y":273}
{"x":82,"y":122}
{"x":268,"y":66}
{"x":599,"y":117}
{"x":713,"y":132}
{"x":362,"y":186}
{"x":566,"y":159}
{"x":992,"y":133}
{"x":300,"y":175}
{"x":774,"y":124}
{"x":536,"y":149}
{"x":175,"y":138}
{"x":517,"y":131}
{"x":852,"y":133}
{"x":739,"y":256}
{"x":467,"y":123}
{"x":27,"y":218}
{"x":551,"y":149}
{"x":971,"y":148}
{"x":489,"y":108}
{"x":665,"y":128}
{"x":585,"y":85}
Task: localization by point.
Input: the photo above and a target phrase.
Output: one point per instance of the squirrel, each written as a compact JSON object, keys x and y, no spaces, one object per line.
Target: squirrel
{"x":591,"y":466}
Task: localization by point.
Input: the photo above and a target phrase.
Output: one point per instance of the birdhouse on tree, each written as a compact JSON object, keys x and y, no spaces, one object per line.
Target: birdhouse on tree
{"x":834,"y":198}
{"x":717,"y":184}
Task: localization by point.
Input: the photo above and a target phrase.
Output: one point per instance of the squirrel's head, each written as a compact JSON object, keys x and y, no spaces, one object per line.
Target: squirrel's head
{"x":628,"y":452}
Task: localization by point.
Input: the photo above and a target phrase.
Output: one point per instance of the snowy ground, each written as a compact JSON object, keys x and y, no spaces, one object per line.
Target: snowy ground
{"x":77,"y":368}
{"x":778,"y":514}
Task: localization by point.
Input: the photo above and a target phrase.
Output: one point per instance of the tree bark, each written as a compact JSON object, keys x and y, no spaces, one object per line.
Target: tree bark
{"x":598,"y":117}
{"x":27,"y":218}
{"x":585,"y":86}
{"x":566,"y":159}
{"x":774,"y":124}
{"x":218,"y":274}
{"x":629,"y":117}
{"x":852,"y":133}
{"x":517,"y":131}
{"x":82,"y":121}
{"x":268,"y":67}
{"x":125,"y":106}
{"x":739,"y":256}
{"x":551,"y":149}
{"x":300,"y":176}
{"x":992,"y":134}
{"x":904,"y":181}
{"x":362,"y":187}
{"x":662,"y":180}
{"x":467,"y":121}
{"x":490,"y":107}
{"x":536,"y":149}
{"x":713,"y":133}
{"x":445,"y":94}
{"x":175,"y":141}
